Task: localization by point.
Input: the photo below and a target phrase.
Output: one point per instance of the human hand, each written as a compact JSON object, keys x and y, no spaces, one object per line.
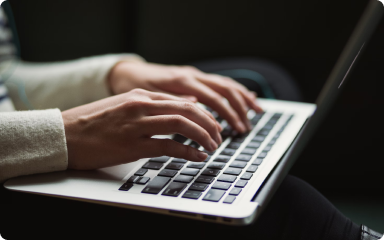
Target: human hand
{"x":190,"y":82}
{"x":118,"y":129}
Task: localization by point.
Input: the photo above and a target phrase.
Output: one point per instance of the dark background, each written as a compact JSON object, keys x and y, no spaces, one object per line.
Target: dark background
{"x":304,"y":37}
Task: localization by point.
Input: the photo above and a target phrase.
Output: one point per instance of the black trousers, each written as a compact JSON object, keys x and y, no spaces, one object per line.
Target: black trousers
{"x":297,"y":211}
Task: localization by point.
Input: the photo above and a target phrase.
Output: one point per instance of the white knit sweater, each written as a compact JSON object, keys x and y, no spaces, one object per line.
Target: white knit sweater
{"x":34,"y":141}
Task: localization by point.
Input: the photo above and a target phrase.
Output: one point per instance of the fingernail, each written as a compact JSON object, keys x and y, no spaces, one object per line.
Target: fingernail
{"x":213,"y":145}
{"x":219,"y":140}
{"x":241,"y":126}
{"x":202,"y":155}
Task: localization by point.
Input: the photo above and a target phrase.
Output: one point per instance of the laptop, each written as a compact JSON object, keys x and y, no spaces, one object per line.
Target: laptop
{"x":235,"y":183}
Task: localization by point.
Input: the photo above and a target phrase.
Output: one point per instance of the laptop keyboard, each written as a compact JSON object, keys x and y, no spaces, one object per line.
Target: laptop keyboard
{"x":215,"y":176}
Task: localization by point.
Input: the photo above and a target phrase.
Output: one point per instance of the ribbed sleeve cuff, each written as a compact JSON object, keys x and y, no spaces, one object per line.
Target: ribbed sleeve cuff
{"x":32,"y":142}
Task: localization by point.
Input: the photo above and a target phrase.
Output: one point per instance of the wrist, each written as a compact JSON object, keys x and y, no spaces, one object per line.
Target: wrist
{"x":118,"y":80}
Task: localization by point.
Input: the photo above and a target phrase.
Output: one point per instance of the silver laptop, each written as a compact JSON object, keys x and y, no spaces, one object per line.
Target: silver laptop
{"x":235,"y":183}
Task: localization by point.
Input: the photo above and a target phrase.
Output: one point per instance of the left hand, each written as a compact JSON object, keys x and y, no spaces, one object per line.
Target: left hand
{"x":190,"y":83}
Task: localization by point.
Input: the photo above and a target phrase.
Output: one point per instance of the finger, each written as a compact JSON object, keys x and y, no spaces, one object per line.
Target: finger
{"x":162,"y":96}
{"x":172,"y":124}
{"x":167,"y":147}
{"x":188,"y":110}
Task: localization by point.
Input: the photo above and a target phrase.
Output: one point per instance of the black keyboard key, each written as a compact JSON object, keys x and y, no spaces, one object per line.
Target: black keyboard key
{"x":272,"y":142}
{"x":243,"y":157}
{"x":214,"y":195}
{"x":233,"y":171}
{"x":262,"y":154}
{"x":162,"y":159}
{"x":277,"y":115}
{"x":167,"y":173}
{"x":216,"y":165}
{"x":229,"y":199}
{"x":126,"y":187}
{"x":179,"y":138}
{"x":238,"y":140}
{"x":205,"y":179}
{"x":227,"y":178}
{"x":238,"y":164}
{"x":234,"y":145}
{"x":156,"y":185}
{"x":143,"y":180}
{"x":222,"y":158}
{"x":268,"y":126}
{"x":190,"y":171}
{"x":241,"y":183}
{"x":210,"y":172}
{"x":267,"y":148}
{"x":183,"y":178}
{"x":192,"y":194}
{"x":257,"y":161}
{"x":174,"y":189}
{"x":133,"y":179}
{"x":194,"y":144}
{"x":228,"y":151}
{"x":175,"y":166}
{"x":179,"y":160}
{"x":198,"y":186}
{"x":141,"y":172}
{"x":258,"y":139}
{"x":153,"y":165}
{"x":253,"y":145}
{"x":263,"y":132}
{"x":252,"y":168}
{"x":198,"y":165}
{"x":235,"y":191}
{"x":208,"y":152}
{"x":221,"y":185}
{"x":249,"y":151}
{"x":246,"y":176}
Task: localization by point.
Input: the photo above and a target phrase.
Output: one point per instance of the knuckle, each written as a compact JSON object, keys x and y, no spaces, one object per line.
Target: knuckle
{"x":177,"y":121}
{"x":138,"y":91}
{"x":188,"y":107}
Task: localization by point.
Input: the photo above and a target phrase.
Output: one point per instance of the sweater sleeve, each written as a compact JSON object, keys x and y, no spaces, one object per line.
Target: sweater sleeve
{"x":63,"y":85}
{"x":31,"y":142}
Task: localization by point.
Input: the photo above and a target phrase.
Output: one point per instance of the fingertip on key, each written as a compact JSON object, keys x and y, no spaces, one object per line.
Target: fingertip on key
{"x":202,"y":156}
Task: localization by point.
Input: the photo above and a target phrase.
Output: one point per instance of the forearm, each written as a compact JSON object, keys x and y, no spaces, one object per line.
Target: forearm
{"x":31,"y":142}
{"x":63,"y":85}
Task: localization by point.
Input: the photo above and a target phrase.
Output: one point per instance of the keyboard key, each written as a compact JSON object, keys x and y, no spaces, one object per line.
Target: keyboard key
{"x":262,"y":154}
{"x":192,"y":194}
{"x":249,"y":151}
{"x":229,"y":199}
{"x":257,"y":161}
{"x":133,"y":179}
{"x":234,"y":145}
{"x":227,"y":178}
{"x":153,"y":165}
{"x":222,"y":158}
{"x":233,"y":171}
{"x":179,"y":160}
{"x":238,"y":140}
{"x":141,"y":172}
{"x":190,"y":171}
{"x":198,"y":186}
{"x":156,"y":185}
{"x":263,"y":132}
{"x":204,"y":179}
{"x":246,"y":176}
{"x":207,"y":159}
{"x":216,"y":165}
{"x":235,"y":191}
{"x":214,"y":195}
{"x":179,"y":138}
{"x":174,"y":189}
{"x":126,"y":187}
{"x":252,"y":168}
{"x":210,"y":172}
{"x":221,"y":185}
{"x":241,"y":183}
{"x":267,"y":148}
{"x":273,"y":141}
{"x":253,"y":145}
{"x":143,"y":180}
{"x":183,"y":178}
{"x":238,"y":164}
{"x":228,"y":151}
{"x":194,"y":144}
{"x":198,"y":165}
{"x":167,"y":173}
{"x":175,"y":166}
{"x":243,"y":157}
{"x":258,"y":139}
{"x":208,"y":152}
{"x":161,"y":159}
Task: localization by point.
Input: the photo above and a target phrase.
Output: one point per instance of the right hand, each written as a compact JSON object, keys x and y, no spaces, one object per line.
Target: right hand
{"x":118,"y":129}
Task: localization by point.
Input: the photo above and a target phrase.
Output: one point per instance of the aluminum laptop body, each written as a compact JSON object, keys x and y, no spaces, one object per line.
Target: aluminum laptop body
{"x":285,"y":128}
